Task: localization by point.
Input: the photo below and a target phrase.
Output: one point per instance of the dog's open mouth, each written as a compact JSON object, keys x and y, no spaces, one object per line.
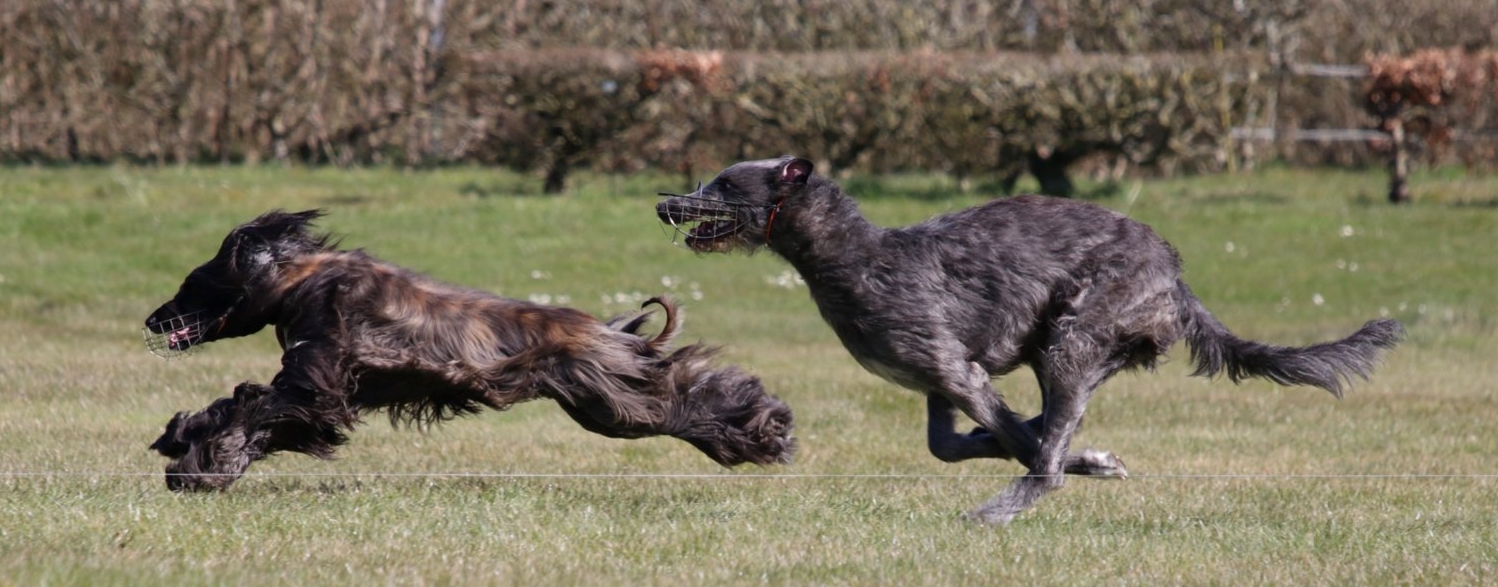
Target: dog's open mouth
{"x":177,"y":336}
{"x":711,"y":234}
{"x":703,"y":227}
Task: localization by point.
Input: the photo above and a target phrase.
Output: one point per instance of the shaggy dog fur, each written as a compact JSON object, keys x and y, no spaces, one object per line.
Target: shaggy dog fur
{"x":361,"y":335}
{"x":1073,"y":290}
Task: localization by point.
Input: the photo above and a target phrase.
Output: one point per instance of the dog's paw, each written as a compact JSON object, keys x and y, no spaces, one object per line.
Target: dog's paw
{"x":1096,"y":463}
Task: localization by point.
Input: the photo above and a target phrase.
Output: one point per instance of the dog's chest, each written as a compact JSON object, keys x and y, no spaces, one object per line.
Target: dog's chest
{"x":893,"y":372}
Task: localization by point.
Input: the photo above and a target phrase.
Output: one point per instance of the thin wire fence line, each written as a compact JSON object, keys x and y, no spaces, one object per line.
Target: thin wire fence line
{"x":791,"y":476}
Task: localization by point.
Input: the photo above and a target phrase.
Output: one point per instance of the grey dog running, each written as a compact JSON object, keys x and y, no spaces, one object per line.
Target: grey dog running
{"x":1073,"y":290}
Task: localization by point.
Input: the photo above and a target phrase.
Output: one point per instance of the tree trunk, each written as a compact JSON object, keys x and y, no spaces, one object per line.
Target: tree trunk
{"x":1399,"y":163}
{"x":1049,"y":168}
{"x":556,"y":178}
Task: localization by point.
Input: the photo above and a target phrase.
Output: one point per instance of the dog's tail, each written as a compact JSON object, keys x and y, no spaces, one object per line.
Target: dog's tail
{"x":631,"y":323}
{"x":1329,"y":365}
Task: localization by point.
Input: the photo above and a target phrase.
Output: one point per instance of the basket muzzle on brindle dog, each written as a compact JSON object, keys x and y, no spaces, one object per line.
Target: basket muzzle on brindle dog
{"x":361,"y":335}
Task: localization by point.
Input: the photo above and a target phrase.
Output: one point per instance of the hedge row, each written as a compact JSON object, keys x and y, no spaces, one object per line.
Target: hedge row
{"x":1306,"y":30}
{"x":335,"y":82}
{"x":432,"y":81}
{"x":1109,"y":26}
{"x":967,"y":114}
{"x":196,"y":80}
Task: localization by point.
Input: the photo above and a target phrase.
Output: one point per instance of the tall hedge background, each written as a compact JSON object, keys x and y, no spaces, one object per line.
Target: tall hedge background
{"x":972,"y":88}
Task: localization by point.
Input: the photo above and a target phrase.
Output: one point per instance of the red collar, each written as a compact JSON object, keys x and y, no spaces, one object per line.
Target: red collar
{"x":773,"y":211}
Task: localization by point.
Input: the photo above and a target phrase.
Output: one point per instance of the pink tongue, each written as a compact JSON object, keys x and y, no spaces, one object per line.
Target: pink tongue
{"x":180,"y":335}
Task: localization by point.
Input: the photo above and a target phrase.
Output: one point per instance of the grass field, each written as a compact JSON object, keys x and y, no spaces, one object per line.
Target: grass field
{"x":1248,"y":484}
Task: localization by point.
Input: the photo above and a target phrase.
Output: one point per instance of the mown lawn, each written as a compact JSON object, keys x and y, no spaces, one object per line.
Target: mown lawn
{"x":1248,"y":484}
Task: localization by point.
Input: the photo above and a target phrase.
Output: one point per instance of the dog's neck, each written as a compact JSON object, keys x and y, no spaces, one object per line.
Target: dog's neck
{"x":823,"y":226}
{"x":287,"y":275}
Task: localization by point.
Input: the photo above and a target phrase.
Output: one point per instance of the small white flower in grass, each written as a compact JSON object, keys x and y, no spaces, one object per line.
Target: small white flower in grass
{"x":1346,"y":231}
{"x":787,"y":279}
{"x":1316,"y":299}
{"x":669,"y":281}
{"x":623,"y":298}
{"x":540,"y":298}
{"x":1383,"y":312}
{"x":1230,"y":247}
{"x":539,"y":275}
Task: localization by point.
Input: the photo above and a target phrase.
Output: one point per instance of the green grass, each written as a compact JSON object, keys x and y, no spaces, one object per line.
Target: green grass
{"x":1250,"y":484}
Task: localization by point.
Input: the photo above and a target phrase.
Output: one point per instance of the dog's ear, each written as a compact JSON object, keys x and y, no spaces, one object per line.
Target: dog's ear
{"x":255,"y":243}
{"x":246,"y":254}
{"x":795,"y":171}
{"x":279,"y":226}
{"x":170,"y":443}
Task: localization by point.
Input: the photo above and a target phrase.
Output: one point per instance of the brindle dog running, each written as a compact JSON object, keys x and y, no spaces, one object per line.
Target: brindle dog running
{"x":361,"y":335}
{"x":1073,"y":290}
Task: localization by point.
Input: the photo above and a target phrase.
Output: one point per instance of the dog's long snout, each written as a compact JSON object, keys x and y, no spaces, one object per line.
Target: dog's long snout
{"x":155,"y":321}
{"x":678,"y":209}
{"x":668,"y":210}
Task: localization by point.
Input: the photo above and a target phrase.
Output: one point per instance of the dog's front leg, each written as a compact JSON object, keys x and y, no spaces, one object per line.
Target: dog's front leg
{"x":969,"y":389}
{"x":309,"y":404}
{"x":951,"y":446}
{"x":945,"y":443}
{"x":972,"y":391}
{"x":213,"y":447}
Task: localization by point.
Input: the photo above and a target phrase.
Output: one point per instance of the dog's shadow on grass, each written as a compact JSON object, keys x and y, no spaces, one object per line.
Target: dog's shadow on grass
{"x":282,"y":487}
{"x":1254,"y":197}
{"x":514,"y":189}
{"x":355,"y":484}
{"x":345,"y":200}
{"x":1488,"y":204}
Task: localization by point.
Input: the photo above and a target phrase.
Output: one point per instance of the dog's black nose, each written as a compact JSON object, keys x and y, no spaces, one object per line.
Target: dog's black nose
{"x":663,"y":211}
{"x":159,"y":316}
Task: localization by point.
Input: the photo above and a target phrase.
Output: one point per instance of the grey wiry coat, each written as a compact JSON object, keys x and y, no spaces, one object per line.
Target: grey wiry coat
{"x":1073,"y":290}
